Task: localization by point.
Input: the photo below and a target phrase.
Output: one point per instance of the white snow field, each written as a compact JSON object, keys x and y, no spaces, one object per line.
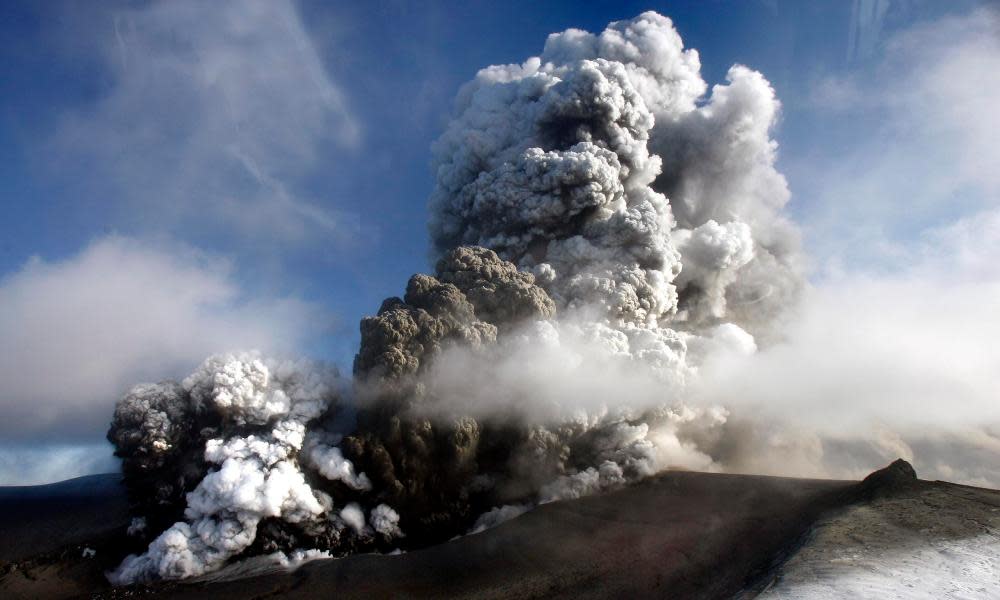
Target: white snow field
{"x":943,"y":542}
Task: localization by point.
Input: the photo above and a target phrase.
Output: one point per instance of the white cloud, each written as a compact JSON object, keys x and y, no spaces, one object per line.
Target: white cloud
{"x":922,"y":148}
{"x":74,"y":334}
{"x":909,"y":355}
{"x":836,"y":94}
{"x":965,"y":251}
{"x":948,"y":93}
{"x":214,"y":115}
{"x":896,"y":339}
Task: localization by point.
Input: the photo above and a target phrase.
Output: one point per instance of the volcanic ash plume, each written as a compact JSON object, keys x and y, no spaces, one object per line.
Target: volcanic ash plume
{"x":599,"y":226}
{"x":594,"y":167}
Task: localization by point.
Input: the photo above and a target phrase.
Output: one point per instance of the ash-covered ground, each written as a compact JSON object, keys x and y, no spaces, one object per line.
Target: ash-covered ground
{"x":674,"y":535}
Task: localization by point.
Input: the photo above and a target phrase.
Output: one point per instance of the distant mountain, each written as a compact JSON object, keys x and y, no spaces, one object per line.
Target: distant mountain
{"x":43,"y":518}
{"x":89,"y":485}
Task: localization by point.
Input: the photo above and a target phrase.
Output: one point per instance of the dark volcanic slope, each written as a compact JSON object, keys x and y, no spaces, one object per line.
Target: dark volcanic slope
{"x":56,"y":540}
{"x":43,"y":518}
{"x":676,"y":535}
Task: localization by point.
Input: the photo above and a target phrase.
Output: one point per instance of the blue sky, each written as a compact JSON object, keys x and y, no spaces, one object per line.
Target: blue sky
{"x":177,"y":177}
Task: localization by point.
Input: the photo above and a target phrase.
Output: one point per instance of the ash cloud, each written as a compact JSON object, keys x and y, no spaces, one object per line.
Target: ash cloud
{"x":607,"y":235}
{"x":594,"y":166}
{"x":208,"y":118}
{"x":548,"y":355}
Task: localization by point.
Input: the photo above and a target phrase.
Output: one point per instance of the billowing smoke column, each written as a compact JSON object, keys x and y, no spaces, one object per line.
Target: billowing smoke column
{"x":594,"y":167}
{"x":600,"y":227}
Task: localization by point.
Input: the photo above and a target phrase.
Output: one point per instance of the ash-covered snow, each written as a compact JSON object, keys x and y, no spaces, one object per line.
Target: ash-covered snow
{"x":943,"y":542}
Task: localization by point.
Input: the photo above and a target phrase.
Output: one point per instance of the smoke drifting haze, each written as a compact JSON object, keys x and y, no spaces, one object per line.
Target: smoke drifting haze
{"x":617,"y":291}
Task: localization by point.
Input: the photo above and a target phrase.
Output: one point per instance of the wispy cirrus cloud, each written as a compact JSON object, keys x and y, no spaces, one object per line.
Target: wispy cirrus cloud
{"x":213,"y":116}
{"x":918,"y":149}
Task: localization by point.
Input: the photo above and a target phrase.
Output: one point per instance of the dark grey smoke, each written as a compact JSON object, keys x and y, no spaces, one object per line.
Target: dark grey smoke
{"x":434,"y":471}
{"x":473,"y":295}
{"x":154,"y":433}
